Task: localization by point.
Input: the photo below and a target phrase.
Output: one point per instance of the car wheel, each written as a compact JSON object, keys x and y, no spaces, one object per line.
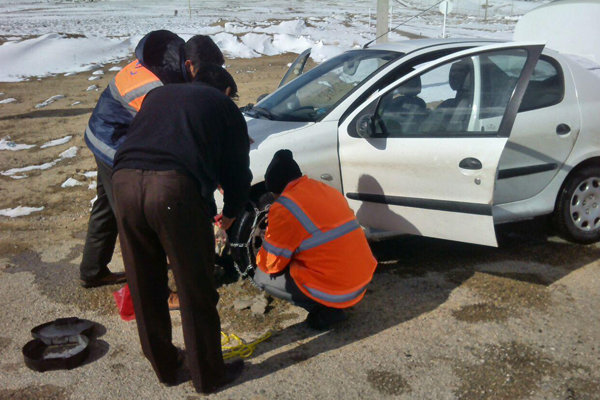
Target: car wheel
{"x":247,"y":233}
{"x":577,"y":215}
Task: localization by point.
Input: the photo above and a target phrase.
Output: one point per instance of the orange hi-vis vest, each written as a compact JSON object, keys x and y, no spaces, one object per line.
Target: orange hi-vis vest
{"x":131,"y":85}
{"x":312,"y":229}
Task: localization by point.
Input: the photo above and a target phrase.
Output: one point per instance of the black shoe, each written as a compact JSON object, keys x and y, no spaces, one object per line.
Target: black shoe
{"x":180,"y":374}
{"x":111,"y":279}
{"x":323,"y":318}
{"x":233,"y":370}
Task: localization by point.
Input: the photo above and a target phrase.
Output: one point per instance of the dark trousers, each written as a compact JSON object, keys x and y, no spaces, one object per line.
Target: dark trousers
{"x":160,"y":214}
{"x":102,"y":229}
{"x":282,"y":286}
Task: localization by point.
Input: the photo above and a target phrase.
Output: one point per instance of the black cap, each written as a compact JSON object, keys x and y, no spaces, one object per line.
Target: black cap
{"x":281,"y":171}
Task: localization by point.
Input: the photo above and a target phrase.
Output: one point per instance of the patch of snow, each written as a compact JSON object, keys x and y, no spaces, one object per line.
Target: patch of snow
{"x":91,"y":87}
{"x":90,"y":174}
{"x":92,"y":201}
{"x":75,"y":103}
{"x":56,"y":142}
{"x":61,"y":54}
{"x":7,"y":144}
{"x":70,"y":73}
{"x":19,"y":211}
{"x":114,"y":69}
{"x":29,"y":168}
{"x":93,"y":78}
{"x":9,"y":100}
{"x":98,"y":72}
{"x":71,"y":183}
{"x":69,"y":153}
{"x":93,"y":185}
{"x":50,"y":100}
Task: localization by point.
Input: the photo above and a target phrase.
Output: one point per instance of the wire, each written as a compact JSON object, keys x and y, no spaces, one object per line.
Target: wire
{"x":240,"y":348}
{"x":402,"y":23}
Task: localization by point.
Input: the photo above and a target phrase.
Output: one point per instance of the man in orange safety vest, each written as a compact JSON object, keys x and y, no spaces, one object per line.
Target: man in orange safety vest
{"x":314,"y":253}
{"x":162,"y":58}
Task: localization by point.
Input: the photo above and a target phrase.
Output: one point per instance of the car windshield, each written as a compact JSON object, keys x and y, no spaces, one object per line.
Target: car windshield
{"x":310,"y":96}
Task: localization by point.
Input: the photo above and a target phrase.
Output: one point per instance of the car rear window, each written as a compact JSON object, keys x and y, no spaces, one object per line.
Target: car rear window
{"x":546,"y":86}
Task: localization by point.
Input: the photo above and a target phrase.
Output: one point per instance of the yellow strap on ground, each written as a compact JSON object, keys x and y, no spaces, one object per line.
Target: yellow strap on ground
{"x":234,"y":346}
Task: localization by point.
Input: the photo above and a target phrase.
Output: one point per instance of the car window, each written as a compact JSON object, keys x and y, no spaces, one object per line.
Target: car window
{"x":546,"y":86}
{"x":310,"y":96}
{"x":464,"y":96}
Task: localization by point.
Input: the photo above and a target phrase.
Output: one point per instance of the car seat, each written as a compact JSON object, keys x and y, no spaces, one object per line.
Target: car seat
{"x":453,"y":114}
{"x":405,"y":110}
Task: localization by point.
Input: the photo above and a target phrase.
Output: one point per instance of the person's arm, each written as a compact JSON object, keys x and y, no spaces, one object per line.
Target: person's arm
{"x":283,"y":236}
{"x":235,"y":175}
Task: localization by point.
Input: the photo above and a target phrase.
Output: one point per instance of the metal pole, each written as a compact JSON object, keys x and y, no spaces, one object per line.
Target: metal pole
{"x":486,"y":7}
{"x":444,"y":24}
{"x":383,"y":8}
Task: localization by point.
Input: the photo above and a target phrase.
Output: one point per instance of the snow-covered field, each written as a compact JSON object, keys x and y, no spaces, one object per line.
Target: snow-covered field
{"x":42,"y":38}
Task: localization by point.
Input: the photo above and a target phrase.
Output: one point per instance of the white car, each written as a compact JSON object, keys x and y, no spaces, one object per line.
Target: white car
{"x":439,"y":138}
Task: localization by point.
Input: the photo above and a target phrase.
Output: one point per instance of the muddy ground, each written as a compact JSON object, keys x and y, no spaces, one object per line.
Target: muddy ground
{"x":441,"y":320}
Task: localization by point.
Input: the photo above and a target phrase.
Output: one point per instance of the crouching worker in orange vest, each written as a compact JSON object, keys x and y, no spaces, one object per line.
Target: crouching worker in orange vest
{"x":314,"y":252}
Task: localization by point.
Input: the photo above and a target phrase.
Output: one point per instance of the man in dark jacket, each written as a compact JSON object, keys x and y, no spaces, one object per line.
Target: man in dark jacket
{"x":186,"y":140}
{"x":161,"y":59}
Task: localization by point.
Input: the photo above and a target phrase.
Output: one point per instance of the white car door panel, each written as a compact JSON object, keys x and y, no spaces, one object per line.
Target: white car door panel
{"x":543,"y":135}
{"x":414,"y":160}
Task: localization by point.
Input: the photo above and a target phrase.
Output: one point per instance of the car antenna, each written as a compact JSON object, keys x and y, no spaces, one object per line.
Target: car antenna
{"x":402,"y":23}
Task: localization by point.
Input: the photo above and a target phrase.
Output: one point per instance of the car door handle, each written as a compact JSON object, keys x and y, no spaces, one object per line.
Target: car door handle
{"x":326,"y":177}
{"x":470,"y":163}
{"x":563,"y":129}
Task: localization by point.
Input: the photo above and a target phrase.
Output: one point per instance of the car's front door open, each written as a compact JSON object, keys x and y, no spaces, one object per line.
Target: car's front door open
{"x":421,"y":156}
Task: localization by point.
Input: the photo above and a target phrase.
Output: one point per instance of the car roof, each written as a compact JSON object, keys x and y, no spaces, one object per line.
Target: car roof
{"x":406,"y":46}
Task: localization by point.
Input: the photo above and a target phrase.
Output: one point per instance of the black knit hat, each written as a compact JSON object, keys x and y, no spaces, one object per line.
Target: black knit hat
{"x":281,"y":171}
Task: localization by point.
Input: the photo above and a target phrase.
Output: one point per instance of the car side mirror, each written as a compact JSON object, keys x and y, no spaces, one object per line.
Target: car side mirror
{"x":365,"y":126}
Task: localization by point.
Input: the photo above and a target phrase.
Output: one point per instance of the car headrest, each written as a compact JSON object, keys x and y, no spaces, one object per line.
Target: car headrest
{"x":411,"y":87}
{"x":458,"y":74}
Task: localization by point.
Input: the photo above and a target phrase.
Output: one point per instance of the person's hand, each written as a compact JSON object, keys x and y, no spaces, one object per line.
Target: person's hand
{"x":223,"y":222}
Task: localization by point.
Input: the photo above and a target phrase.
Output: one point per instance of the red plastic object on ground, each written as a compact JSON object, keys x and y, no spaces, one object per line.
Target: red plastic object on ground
{"x":124,"y":303}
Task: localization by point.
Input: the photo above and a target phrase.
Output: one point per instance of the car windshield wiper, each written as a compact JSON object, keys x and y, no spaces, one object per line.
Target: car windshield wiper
{"x":261,"y":112}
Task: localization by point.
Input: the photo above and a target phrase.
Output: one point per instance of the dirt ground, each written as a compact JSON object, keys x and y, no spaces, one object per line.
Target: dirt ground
{"x":441,"y":320}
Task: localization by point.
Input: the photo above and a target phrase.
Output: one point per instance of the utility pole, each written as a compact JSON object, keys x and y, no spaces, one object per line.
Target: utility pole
{"x":383,"y":9}
{"x":486,"y":8}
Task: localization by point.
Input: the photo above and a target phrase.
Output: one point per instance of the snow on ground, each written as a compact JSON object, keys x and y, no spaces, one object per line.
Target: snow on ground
{"x":19,"y":211}
{"x":71,"y":182}
{"x":7,"y":144}
{"x":56,"y":142}
{"x":84,"y":36}
{"x":14,"y":172}
{"x":50,"y":100}
{"x":90,"y":174}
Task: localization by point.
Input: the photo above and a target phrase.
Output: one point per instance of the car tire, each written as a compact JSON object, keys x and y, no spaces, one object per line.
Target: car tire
{"x":247,"y":233}
{"x":577,"y":215}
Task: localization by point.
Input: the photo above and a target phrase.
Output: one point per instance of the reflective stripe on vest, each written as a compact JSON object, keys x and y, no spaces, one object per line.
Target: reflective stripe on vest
{"x":276,"y":251}
{"x":99,"y":145}
{"x":114,"y":91}
{"x":318,"y":237}
{"x":324,"y":237}
{"x":299,"y":214}
{"x":335,"y":298}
